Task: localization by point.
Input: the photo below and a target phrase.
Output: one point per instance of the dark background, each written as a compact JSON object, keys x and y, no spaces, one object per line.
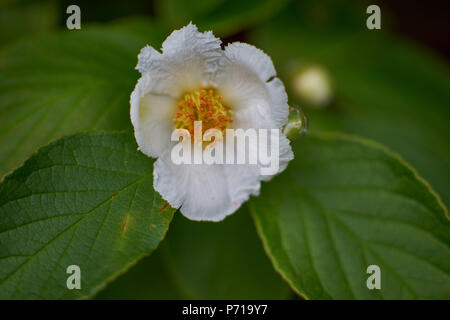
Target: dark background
{"x":426,"y":22}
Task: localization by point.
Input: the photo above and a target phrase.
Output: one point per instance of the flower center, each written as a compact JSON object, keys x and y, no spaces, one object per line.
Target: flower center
{"x":202,"y":105}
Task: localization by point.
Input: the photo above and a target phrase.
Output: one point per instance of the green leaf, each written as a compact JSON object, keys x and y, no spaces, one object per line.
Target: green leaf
{"x":386,"y":88}
{"x":204,"y":260}
{"x":344,"y":204}
{"x":65,"y":83}
{"x":20,"y":18}
{"x":85,"y":200}
{"x":224,"y":17}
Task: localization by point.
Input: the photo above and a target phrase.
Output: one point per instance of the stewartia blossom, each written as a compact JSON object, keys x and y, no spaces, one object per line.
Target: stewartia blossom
{"x":194,"y":79}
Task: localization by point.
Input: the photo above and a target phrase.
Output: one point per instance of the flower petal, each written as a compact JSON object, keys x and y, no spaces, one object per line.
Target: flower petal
{"x":147,"y":58}
{"x":252,"y":58}
{"x":204,"y":192}
{"x":249,"y":83}
{"x":243,"y":181}
{"x":285,"y":155}
{"x":189,"y":59}
{"x":151,"y":116}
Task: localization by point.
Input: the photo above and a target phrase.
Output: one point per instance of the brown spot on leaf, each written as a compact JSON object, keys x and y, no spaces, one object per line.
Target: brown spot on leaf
{"x":164,"y":206}
{"x":125,"y":222}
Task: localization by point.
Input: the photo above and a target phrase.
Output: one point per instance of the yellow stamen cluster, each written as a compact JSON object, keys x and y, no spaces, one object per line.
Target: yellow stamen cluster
{"x":202,"y":105}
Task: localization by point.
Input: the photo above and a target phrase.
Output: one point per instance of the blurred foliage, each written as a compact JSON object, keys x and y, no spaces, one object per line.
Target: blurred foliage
{"x":204,"y":260}
{"x":23,"y":17}
{"x":224,"y":17}
{"x":68,"y":82}
{"x":385,"y":88}
{"x":106,"y":10}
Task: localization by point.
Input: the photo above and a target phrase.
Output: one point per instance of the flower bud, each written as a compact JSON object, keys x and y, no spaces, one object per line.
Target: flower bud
{"x":313,"y":86}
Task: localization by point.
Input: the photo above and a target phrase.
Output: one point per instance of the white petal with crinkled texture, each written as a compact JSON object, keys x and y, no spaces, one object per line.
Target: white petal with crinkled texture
{"x":250,"y":85}
{"x":189,"y":59}
{"x":146,"y":58}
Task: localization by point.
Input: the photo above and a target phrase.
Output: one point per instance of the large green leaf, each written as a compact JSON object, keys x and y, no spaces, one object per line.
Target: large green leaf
{"x":85,"y":200}
{"x":224,"y":17}
{"x":20,"y":18}
{"x":65,"y":83}
{"x":386,"y":88}
{"x":344,"y":204}
{"x":204,"y":260}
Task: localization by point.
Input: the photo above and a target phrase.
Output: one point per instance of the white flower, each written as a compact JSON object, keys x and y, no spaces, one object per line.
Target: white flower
{"x":241,"y":81}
